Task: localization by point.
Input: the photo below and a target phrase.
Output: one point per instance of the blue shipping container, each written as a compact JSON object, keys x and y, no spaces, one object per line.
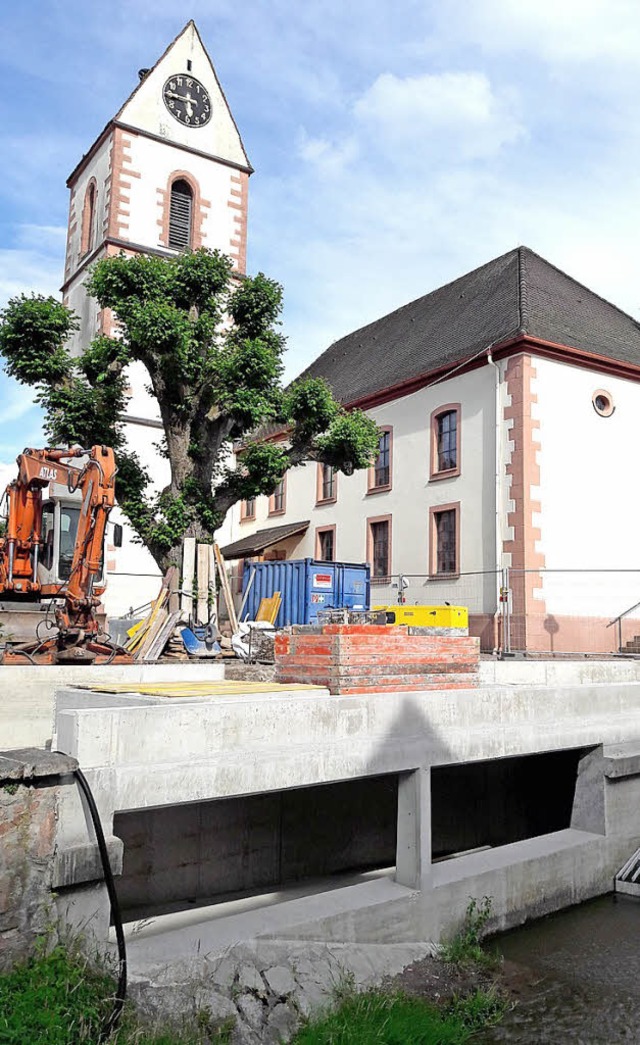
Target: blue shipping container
{"x":306,"y":586}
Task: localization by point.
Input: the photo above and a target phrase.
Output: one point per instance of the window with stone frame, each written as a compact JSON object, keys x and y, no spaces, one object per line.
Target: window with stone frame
{"x":379,"y":548}
{"x":380,"y":474}
{"x":445,"y":442}
{"x":278,"y":499}
{"x":326,"y":546}
{"x":445,"y":540}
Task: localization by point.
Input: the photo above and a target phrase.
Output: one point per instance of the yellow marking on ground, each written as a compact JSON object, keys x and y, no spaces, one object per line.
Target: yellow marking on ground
{"x":216,"y":688}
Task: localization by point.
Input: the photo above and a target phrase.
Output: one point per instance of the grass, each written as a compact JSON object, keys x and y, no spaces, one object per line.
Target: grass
{"x":393,"y":1018}
{"x":59,"y":998}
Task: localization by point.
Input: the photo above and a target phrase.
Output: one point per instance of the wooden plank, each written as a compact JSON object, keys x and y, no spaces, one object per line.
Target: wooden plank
{"x":246,"y":592}
{"x":202,"y":574}
{"x":268,"y":608}
{"x":151,"y":635}
{"x":226,"y":590}
{"x":141,"y":634}
{"x":156,"y":649}
{"x":174,"y":589}
{"x":188,"y":570}
{"x":213,"y":594}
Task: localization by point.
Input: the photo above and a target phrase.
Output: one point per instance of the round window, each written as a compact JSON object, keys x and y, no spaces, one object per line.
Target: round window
{"x":602,"y":403}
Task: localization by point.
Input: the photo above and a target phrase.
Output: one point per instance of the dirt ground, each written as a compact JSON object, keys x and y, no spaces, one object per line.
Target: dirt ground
{"x":439,"y":981}
{"x":237,"y":669}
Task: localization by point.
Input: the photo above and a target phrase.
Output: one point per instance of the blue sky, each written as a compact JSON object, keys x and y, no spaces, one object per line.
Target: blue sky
{"x":396,"y":145}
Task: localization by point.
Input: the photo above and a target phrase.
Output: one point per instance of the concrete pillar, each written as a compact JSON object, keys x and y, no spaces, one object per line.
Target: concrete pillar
{"x":413,"y":857}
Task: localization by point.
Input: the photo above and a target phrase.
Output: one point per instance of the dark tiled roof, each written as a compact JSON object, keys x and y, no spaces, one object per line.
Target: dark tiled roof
{"x":262,"y":539}
{"x":517,"y":293}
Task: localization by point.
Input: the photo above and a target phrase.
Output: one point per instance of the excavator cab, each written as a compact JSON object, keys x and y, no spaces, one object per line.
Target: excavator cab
{"x":60,"y":519}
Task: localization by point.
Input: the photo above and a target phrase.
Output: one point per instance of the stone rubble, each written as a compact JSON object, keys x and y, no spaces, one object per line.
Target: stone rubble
{"x":267,"y":987}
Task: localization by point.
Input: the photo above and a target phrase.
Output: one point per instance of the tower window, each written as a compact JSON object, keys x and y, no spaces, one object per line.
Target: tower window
{"x":88,"y":219}
{"x":180,"y":215}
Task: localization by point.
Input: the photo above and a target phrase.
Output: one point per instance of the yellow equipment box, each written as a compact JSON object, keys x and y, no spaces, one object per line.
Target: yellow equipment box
{"x":427,"y":616}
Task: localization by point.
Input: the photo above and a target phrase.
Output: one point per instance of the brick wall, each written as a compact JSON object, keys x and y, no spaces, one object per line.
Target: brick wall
{"x":30,"y":784}
{"x":364,"y":658}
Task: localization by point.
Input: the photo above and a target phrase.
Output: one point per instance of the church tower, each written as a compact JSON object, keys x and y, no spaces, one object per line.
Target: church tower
{"x":169,"y":172}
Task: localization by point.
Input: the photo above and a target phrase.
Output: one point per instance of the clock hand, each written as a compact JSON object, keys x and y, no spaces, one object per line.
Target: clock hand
{"x":181,"y":97}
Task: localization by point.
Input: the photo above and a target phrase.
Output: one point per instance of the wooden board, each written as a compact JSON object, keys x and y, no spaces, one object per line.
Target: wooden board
{"x":213,"y":594}
{"x":164,"y":633}
{"x":141,"y":633}
{"x":202,"y":558}
{"x":188,"y":570}
{"x":226,"y":590}
{"x":151,"y":635}
{"x":268,"y":608}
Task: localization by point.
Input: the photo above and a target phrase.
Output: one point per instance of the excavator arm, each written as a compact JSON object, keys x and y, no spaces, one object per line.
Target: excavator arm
{"x":20,"y":549}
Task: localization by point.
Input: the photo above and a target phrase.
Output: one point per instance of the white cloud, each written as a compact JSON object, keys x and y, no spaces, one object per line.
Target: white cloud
{"x":328,"y":157}
{"x":410,"y":111}
{"x":35,"y":261}
{"x":559,"y":31}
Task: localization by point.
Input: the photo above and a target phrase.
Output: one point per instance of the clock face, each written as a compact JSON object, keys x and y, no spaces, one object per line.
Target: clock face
{"x":187,"y":100}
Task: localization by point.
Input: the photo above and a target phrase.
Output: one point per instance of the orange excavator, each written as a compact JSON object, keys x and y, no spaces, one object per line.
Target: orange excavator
{"x":52,"y":551}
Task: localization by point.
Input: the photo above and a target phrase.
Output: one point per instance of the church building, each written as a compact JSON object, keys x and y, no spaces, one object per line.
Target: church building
{"x":508,"y":401}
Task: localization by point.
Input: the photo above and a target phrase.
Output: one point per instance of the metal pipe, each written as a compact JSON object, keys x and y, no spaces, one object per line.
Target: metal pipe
{"x":11,"y":558}
{"x":36,"y":556}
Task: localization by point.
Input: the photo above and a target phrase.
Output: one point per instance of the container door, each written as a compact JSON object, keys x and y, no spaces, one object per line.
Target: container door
{"x":322,"y":588}
{"x":355,"y":587}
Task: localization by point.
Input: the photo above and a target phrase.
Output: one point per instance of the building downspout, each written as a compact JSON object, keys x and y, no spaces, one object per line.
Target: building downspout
{"x":499,"y":542}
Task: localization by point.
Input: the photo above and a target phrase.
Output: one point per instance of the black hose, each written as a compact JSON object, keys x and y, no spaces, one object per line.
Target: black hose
{"x":121,"y":990}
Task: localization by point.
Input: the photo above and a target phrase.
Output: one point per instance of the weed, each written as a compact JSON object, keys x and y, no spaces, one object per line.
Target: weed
{"x":482,"y":1008}
{"x":10,"y":789}
{"x":466,"y":945}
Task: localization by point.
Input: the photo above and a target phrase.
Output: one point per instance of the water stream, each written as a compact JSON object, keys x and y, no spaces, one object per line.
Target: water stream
{"x":576,"y":977}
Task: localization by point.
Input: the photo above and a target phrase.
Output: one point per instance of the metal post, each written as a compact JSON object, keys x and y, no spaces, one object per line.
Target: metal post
{"x":505,"y":596}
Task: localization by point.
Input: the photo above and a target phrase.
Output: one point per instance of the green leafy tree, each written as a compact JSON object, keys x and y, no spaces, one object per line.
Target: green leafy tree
{"x":213,"y":353}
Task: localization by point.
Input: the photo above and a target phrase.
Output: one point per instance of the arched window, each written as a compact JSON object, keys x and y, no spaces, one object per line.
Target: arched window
{"x":88,"y":219}
{"x":180,"y":211}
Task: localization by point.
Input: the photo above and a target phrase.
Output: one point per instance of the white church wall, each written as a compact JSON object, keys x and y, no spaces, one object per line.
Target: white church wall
{"x":589,"y":503}
{"x":411,"y":496}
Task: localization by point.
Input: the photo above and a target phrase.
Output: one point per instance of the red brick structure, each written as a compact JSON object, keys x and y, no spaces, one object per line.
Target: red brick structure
{"x":365,"y":658}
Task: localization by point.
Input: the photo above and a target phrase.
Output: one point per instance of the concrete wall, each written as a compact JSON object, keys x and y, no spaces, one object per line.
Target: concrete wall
{"x":193,"y":853}
{"x":27,"y":694}
{"x":153,"y":756}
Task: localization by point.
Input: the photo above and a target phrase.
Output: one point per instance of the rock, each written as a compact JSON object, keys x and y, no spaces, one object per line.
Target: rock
{"x":249,"y":979}
{"x":280,"y":980}
{"x":252,"y":1011}
{"x":281,"y":1024}
{"x":243,"y":1035}
{"x":209,"y":1000}
{"x":311,"y":999}
{"x":223,"y":971}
